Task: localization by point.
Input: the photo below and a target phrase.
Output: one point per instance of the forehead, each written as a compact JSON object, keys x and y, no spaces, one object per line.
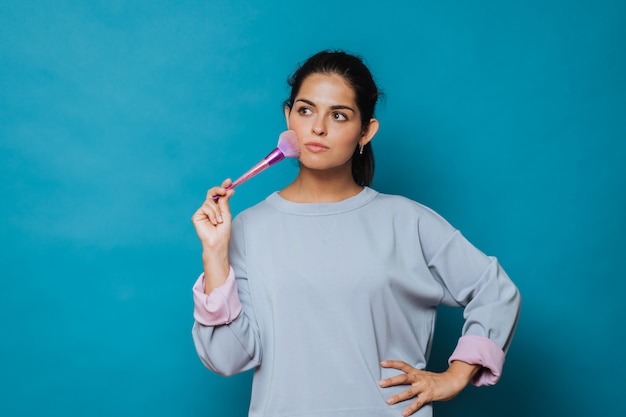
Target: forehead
{"x":327,"y":88}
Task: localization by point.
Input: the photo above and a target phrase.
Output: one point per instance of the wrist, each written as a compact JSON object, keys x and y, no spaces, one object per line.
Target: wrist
{"x":210,"y":245}
{"x":216,"y":269}
{"x":213,"y":254}
{"x":463,"y":372}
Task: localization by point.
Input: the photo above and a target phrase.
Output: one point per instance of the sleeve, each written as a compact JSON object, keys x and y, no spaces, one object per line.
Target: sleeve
{"x":222,"y":306}
{"x":226,"y":342}
{"x":478,"y":350}
{"x":491,"y":302}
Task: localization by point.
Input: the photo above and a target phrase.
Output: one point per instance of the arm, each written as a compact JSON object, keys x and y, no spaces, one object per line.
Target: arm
{"x":476,"y":282}
{"x":491,"y":302}
{"x":232,"y":343}
{"x":225,"y":337}
{"x":213,"y":224}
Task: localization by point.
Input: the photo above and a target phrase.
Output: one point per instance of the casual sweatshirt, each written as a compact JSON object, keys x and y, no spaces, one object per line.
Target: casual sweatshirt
{"x":320,"y":294}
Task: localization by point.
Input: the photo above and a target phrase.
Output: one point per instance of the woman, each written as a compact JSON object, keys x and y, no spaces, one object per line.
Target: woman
{"x":329,"y":289}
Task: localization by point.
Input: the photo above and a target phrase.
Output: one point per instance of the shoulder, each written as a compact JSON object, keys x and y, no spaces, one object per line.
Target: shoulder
{"x":409,"y":211}
{"x":401,"y":203}
{"x":258,"y":210}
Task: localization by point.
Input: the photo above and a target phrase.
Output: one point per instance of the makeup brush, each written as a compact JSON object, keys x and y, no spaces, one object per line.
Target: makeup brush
{"x":287,"y":147}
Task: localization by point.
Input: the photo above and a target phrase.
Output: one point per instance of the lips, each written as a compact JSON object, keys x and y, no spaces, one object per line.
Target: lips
{"x":316,"y":147}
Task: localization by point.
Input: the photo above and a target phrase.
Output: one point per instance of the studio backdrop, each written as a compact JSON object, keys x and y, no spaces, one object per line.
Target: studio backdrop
{"x":116,"y":117}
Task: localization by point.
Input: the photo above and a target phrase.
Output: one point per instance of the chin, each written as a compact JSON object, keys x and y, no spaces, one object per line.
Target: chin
{"x":326,"y":166}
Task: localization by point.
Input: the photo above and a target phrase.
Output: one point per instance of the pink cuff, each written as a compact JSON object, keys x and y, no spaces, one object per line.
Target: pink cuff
{"x":479,"y":350}
{"x":222,"y":306}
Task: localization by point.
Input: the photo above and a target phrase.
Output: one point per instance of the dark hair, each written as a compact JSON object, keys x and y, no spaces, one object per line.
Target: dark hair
{"x":358,"y":76}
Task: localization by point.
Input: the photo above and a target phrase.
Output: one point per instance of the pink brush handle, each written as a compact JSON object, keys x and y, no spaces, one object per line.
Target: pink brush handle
{"x":273,"y":157}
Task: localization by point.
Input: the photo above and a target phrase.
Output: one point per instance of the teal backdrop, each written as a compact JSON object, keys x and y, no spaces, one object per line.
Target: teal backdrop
{"x":508,"y":118}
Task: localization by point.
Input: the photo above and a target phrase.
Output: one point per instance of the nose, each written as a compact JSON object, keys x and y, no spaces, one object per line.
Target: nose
{"x":318,"y":127}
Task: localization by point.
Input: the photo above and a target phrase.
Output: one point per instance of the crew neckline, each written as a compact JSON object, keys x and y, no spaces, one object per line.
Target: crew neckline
{"x":320,"y":209}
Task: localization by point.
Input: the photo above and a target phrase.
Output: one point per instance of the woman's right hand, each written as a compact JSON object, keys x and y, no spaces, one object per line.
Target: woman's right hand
{"x":213,"y":219}
{"x":213,"y":222}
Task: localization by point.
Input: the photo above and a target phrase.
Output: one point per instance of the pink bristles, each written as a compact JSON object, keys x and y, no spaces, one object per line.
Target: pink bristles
{"x":288,"y":144}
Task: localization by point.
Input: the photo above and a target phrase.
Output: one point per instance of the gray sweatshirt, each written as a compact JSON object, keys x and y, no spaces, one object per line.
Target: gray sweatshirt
{"x":319,"y":294}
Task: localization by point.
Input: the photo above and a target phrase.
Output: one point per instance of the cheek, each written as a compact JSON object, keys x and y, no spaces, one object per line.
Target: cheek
{"x":349,"y":136}
{"x":296,"y":123}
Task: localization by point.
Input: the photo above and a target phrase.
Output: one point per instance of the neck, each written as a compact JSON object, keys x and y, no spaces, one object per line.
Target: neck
{"x":320,"y":187}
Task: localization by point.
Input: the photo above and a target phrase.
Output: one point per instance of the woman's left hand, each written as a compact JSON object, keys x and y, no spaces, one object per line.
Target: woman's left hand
{"x":425,"y":386}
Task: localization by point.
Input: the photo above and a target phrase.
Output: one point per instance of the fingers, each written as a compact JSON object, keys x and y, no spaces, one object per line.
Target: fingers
{"x":219,"y":192}
{"x":216,"y":204}
{"x":415,"y":405}
{"x":401,"y":379}
{"x":422,"y":397}
{"x":219,"y":204}
{"x":411,"y":376}
{"x":401,"y":365}
{"x":208,"y":212}
{"x":227,"y":182}
{"x":215,"y":208}
{"x":423,"y":386}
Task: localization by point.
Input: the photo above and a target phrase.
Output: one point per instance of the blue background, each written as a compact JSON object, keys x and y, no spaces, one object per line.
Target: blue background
{"x":508,"y":118}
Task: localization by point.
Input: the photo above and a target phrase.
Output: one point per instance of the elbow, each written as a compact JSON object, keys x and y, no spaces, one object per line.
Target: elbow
{"x":223,"y":353}
{"x":218,"y":367}
{"x":227,"y":366}
{"x":514,"y":307}
{"x":515,"y":300}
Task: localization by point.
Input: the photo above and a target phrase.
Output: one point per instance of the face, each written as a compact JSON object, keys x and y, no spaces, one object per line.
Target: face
{"x":328,"y":123}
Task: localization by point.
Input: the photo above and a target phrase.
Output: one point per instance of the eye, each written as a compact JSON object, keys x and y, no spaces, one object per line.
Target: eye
{"x":304,"y":111}
{"x":339,"y":116}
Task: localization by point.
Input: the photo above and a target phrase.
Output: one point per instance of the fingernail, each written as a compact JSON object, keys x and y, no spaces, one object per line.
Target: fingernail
{"x":219,"y":219}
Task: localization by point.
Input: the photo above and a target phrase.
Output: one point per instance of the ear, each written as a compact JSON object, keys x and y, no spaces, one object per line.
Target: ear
{"x":369,"y":132}
{"x":287,"y":113}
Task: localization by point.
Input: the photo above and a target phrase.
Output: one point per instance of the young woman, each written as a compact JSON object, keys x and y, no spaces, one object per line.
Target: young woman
{"x":329,"y":289}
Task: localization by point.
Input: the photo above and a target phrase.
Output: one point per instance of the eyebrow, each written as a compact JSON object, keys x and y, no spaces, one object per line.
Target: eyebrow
{"x":335,"y":107}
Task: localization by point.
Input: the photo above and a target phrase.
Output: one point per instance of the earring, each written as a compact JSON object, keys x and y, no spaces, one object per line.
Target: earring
{"x":361,"y":149}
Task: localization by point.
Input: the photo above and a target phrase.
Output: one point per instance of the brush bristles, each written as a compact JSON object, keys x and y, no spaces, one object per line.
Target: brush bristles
{"x":288,"y":144}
